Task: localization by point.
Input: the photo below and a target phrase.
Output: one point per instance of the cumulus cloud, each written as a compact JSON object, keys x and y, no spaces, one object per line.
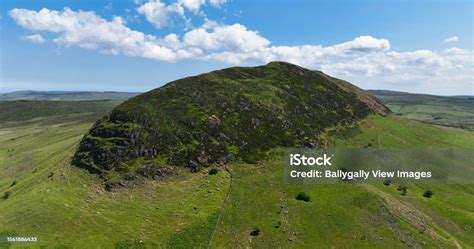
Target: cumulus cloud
{"x":37,"y":38}
{"x":160,"y":14}
{"x":217,"y":3}
{"x":234,"y":38}
{"x":451,"y":39}
{"x":364,"y":44}
{"x":307,"y":54}
{"x":87,"y":30}
{"x":364,"y":56}
{"x":192,"y":5}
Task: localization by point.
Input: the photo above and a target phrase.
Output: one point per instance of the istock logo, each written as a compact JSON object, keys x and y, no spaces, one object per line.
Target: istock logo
{"x":298,"y":159}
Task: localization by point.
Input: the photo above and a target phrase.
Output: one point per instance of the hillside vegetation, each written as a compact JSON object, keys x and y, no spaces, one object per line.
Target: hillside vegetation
{"x":67,"y":207}
{"x":457,"y":111}
{"x":219,"y":117}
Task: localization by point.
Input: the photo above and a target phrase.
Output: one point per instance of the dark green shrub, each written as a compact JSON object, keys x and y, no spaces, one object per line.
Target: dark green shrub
{"x":255,"y":232}
{"x":387,"y":182}
{"x":403,"y":190}
{"x":13,"y":183}
{"x":428,"y":193}
{"x":213,"y":171}
{"x":278,"y":224}
{"x":303,"y":196}
{"x":6,"y":195}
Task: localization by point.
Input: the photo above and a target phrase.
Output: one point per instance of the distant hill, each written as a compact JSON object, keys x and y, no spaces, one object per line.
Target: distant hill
{"x":22,"y":110}
{"x":65,"y":95}
{"x":406,"y":94}
{"x":457,"y":111}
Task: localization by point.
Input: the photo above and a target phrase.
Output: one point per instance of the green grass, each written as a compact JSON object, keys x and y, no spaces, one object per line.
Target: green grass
{"x":399,"y":133}
{"x":350,"y":215}
{"x":337,"y":215}
{"x":71,"y":208}
{"x":67,"y":207}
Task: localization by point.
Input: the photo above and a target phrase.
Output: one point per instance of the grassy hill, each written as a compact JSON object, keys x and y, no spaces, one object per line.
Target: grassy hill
{"x":219,"y":117}
{"x":238,"y":202}
{"x":65,"y":95}
{"x":455,"y":111}
{"x":66,"y":206}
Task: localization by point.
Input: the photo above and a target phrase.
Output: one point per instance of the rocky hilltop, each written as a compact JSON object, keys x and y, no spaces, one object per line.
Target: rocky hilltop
{"x":236,"y":113}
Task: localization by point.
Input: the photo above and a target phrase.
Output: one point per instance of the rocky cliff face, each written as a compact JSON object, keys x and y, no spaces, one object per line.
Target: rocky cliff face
{"x":232,"y":114}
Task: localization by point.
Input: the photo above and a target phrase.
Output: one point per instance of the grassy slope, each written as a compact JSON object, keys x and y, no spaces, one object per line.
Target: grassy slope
{"x":452,"y":210}
{"x":448,"y":111}
{"x":352,"y":216}
{"x":71,"y":207}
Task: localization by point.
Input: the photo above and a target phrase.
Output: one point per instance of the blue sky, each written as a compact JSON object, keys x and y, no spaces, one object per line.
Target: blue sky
{"x":138,"y":45}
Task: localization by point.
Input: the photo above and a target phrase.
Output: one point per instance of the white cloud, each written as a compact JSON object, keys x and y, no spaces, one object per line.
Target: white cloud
{"x":451,"y":39}
{"x":364,"y":58}
{"x":362,"y":44}
{"x":89,"y":31}
{"x":159,"y":13}
{"x":217,"y":3}
{"x":234,"y":38}
{"x":37,"y":38}
{"x":307,"y":55}
{"x":192,"y":5}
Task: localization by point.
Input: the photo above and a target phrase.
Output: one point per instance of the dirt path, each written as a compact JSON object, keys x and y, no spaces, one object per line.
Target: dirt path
{"x":224,"y":203}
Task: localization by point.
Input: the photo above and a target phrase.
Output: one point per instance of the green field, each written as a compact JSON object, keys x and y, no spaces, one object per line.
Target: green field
{"x":457,"y":111}
{"x":66,"y":207}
